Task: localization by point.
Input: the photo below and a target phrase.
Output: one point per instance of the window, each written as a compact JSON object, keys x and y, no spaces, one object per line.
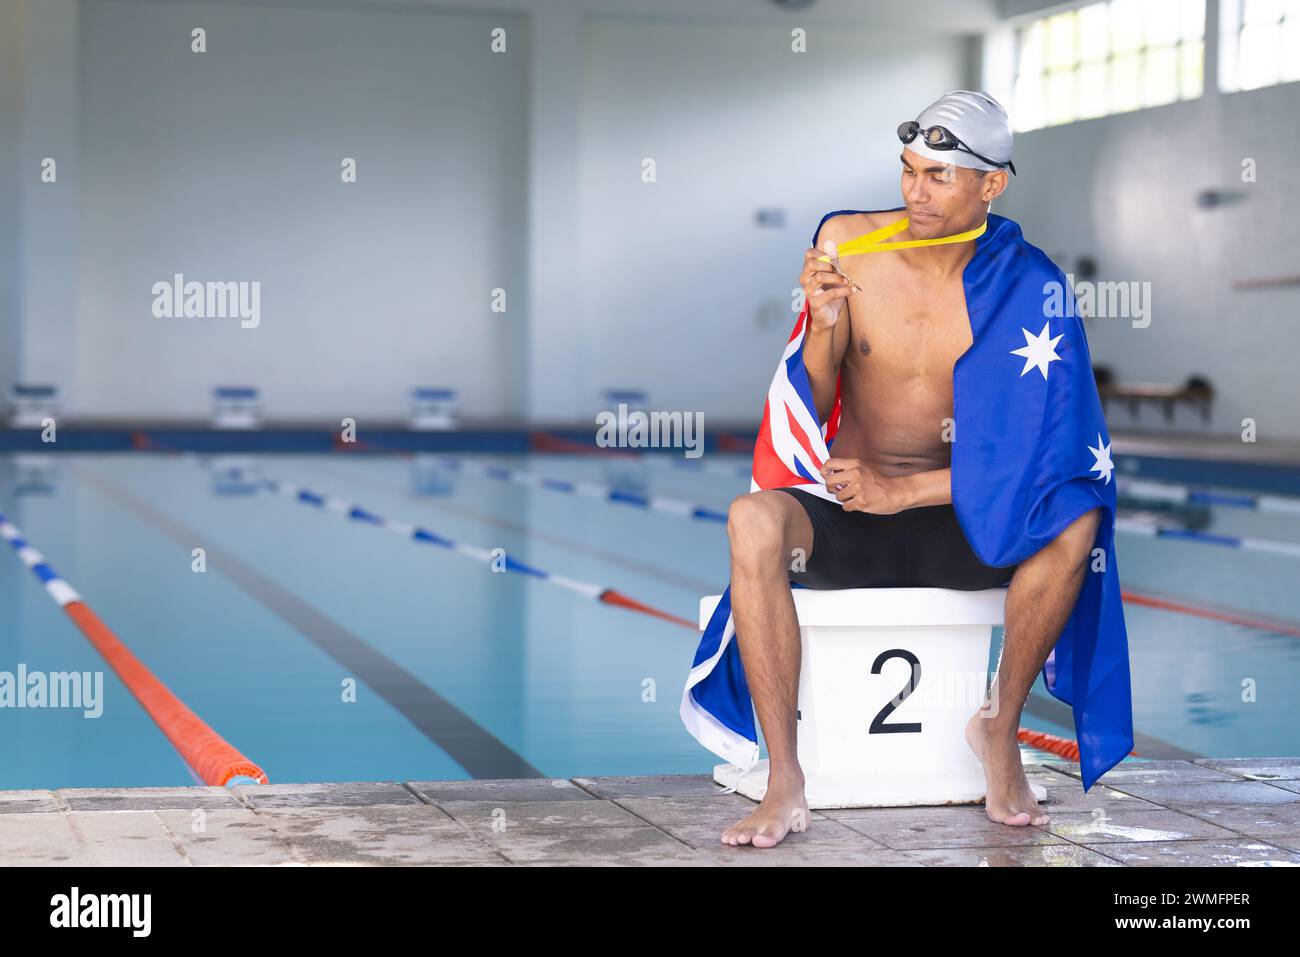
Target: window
{"x":1259,"y":43}
{"x":1109,"y":58}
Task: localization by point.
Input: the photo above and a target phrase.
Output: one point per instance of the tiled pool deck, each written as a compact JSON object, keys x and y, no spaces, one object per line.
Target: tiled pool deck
{"x":1232,"y":812}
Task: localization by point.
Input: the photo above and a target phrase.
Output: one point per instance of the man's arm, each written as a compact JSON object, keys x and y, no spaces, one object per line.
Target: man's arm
{"x":823,"y":353}
{"x":828,"y":332}
{"x":860,"y":488}
{"x":932,"y":487}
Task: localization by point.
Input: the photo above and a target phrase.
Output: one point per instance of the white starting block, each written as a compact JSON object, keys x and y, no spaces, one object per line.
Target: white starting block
{"x":234,"y":475}
{"x":235,"y":407}
{"x":31,"y":405}
{"x":890,"y":677}
{"x":433,"y":409}
{"x":430,"y":476}
{"x":623,"y":402}
{"x":34,"y":474}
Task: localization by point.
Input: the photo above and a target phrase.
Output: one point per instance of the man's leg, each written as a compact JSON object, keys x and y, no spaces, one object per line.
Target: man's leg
{"x":1040,"y":600}
{"x":764,"y":529}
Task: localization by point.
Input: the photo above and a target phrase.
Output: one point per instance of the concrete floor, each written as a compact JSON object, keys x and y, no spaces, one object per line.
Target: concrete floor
{"x":1236,"y":812}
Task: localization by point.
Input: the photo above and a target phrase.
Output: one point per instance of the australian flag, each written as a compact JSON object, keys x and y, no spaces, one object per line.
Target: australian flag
{"x":1030,"y":454}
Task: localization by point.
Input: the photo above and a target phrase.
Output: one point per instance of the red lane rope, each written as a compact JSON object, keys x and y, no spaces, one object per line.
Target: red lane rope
{"x":734,"y":443}
{"x":1054,"y":744}
{"x":1235,"y":618}
{"x":361,"y":445}
{"x":545,"y":442}
{"x":1061,"y":747}
{"x":611,"y":597}
{"x":214,"y":759}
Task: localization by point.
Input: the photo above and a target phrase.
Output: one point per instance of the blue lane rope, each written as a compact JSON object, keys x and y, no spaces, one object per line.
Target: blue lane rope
{"x":1186,"y":495}
{"x":356,"y":513}
{"x":586,"y":489}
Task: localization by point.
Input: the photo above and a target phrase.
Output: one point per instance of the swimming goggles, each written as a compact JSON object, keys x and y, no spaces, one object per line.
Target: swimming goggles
{"x":942,"y":138}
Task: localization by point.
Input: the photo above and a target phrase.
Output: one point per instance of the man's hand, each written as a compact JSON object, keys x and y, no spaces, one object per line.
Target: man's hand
{"x":823,"y":288}
{"x":859,"y":488}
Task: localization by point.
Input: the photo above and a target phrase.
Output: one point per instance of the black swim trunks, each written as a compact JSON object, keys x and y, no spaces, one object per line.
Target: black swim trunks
{"x":916,"y":548}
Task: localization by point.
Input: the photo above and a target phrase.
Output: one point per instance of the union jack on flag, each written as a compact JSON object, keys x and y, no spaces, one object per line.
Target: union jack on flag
{"x":1031,"y":454}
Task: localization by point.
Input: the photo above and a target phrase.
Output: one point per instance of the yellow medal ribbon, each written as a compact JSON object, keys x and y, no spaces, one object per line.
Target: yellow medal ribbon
{"x":874,"y":242}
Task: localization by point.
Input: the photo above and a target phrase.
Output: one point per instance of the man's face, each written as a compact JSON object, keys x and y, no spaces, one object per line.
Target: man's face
{"x":943,"y":199}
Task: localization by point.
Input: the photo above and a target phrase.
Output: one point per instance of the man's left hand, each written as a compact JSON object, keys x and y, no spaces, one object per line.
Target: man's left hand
{"x":859,"y":488}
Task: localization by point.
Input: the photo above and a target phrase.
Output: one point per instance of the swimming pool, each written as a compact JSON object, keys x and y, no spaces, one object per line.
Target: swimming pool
{"x":462,"y":672}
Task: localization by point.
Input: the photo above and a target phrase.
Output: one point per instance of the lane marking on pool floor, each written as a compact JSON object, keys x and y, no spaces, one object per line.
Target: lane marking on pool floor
{"x":208,"y":755}
{"x":468,"y":743}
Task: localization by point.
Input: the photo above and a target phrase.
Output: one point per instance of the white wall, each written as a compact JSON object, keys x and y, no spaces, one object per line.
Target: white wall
{"x":48,"y":210}
{"x":682,"y":294}
{"x":476,"y":171}
{"x":225,"y":166}
{"x":10,"y":196}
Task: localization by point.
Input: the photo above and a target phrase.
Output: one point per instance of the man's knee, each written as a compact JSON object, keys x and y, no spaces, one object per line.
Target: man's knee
{"x":1074,"y":544}
{"x":756,"y":527}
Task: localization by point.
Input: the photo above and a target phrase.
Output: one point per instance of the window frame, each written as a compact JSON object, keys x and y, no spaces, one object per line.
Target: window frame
{"x":1045,"y":120}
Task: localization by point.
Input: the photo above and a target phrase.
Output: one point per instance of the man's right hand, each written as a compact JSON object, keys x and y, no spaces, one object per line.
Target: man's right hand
{"x":823,"y":288}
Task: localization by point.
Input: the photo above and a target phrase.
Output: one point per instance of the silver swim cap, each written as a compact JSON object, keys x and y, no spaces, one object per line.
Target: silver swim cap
{"x":977,"y":120}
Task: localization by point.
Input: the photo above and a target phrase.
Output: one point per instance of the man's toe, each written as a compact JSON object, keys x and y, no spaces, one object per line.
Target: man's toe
{"x":1012,"y":818}
{"x":736,"y":836}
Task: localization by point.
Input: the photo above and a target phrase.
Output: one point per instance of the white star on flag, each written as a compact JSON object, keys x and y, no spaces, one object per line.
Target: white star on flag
{"x":1038,"y":350}
{"x":1103,"y":466}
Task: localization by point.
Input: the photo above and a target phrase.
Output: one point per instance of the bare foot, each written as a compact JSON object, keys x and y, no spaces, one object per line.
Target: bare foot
{"x":782,"y":810}
{"x":1008,"y":797}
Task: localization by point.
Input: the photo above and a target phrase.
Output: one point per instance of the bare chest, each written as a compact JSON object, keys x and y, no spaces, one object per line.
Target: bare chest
{"x":906,"y":330}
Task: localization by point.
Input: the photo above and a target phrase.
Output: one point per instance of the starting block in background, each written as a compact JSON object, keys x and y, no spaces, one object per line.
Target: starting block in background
{"x":430,"y":476}
{"x":236,"y":407}
{"x":33,"y":474}
{"x":433,"y":409}
{"x":890,"y":677}
{"x":634,"y":400}
{"x":31,"y":405}
{"x":235,"y":475}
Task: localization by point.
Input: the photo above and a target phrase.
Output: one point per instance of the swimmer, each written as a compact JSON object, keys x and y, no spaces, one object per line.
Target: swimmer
{"x":889,"y":328}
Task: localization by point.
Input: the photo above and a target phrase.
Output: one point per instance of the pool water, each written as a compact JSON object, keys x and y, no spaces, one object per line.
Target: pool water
{"x":328,"y":649}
